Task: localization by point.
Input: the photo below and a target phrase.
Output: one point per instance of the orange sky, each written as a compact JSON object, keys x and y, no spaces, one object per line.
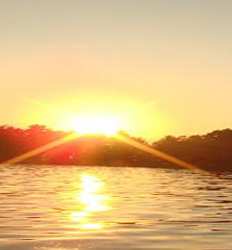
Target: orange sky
{"x":162,"y":67}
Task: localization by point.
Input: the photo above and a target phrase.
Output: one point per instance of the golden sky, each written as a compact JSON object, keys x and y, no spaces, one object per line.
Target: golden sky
{"x":162,"y":67}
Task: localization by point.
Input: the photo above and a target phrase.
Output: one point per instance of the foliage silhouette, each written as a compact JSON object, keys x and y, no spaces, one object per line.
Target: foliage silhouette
{"x":211,"y":151}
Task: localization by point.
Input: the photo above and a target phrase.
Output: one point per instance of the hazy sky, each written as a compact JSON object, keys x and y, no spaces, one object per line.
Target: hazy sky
{"x":163,"y":66}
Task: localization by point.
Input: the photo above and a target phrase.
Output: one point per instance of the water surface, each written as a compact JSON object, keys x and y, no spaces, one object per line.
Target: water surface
{"x":47,"y":208}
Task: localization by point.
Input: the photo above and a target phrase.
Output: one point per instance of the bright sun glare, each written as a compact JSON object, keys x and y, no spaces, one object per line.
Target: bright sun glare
{"x":100,"y":125}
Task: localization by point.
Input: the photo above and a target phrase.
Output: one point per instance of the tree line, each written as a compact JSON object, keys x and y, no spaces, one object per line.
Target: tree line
{"x":211,"y":151}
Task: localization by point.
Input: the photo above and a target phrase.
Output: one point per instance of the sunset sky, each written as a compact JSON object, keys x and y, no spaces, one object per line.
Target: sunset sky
{"x":161,"y":67}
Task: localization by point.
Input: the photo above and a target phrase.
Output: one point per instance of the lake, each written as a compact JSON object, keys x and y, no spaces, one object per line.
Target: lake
{"x":64,"y":208}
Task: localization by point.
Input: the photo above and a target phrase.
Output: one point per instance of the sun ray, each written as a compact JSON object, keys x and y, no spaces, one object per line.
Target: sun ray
{"x":125,"y":139}
{"x":159,"y":154}
{"x":40,"y":150}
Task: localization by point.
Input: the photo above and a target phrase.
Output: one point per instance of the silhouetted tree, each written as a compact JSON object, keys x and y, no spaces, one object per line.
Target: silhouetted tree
{"x":211,"y":151}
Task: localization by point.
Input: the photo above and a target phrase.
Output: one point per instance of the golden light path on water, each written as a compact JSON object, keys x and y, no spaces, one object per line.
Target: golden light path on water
{"x":90,"y":200}
{"x":146,"y":148}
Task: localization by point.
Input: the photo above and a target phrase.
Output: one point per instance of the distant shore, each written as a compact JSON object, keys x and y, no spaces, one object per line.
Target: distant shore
{"x":210,"y":152}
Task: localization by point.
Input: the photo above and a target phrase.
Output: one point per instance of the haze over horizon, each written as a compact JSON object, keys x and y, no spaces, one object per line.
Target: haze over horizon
{"x":163,"y":67}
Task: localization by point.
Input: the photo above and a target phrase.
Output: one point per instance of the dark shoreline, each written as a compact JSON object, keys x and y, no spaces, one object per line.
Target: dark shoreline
{"x":210,"y":152}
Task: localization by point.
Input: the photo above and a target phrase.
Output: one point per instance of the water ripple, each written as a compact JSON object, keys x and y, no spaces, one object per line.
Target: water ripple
{"x":46,"y":208}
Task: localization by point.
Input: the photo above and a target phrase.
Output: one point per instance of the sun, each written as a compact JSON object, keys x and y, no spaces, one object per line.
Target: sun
{"x":96,"y":125}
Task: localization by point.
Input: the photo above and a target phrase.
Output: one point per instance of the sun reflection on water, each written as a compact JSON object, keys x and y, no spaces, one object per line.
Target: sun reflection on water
{"x":91,"y":200}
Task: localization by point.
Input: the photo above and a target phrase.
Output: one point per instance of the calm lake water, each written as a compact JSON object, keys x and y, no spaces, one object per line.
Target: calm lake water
{"x":47,"y":208}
